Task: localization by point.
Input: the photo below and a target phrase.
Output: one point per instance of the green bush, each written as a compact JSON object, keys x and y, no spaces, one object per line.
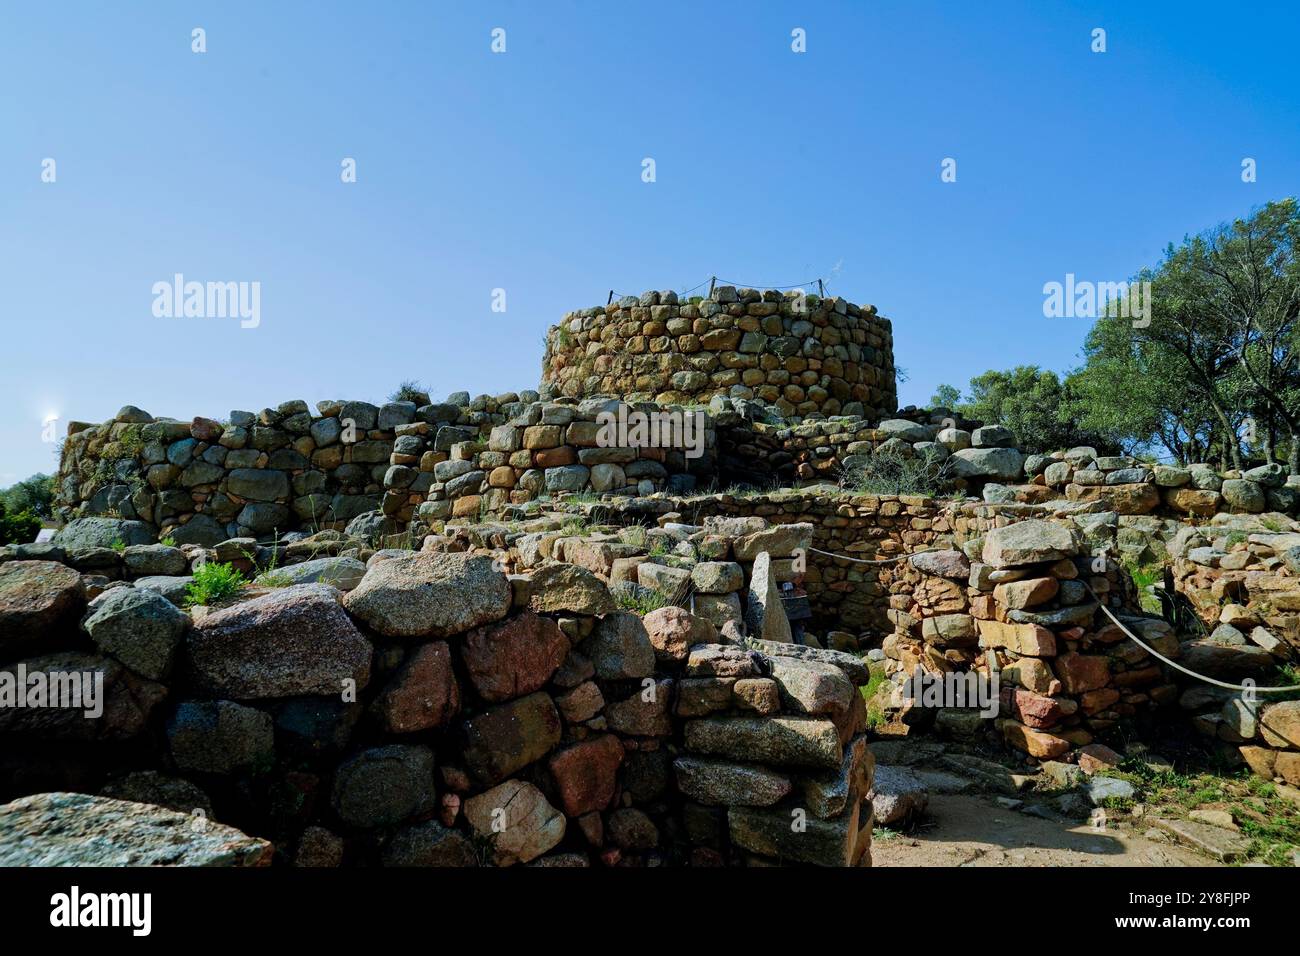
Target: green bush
{"x":20,"y":528}
{"x":213,"y":581}
{"x":891,"y":472}
{"x":35,"y":494}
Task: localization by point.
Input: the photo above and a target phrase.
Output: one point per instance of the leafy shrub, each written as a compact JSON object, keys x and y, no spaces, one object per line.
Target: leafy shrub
{"x":20,"y":528}
{"x":410,"y":391}
{"x":1144,"y":577}
{"x":890,"y":472}
{"x":213,"y":581}
{"x":34,"y":494}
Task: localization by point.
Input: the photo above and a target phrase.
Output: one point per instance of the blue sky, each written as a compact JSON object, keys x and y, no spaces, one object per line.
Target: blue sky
{"x":522,"y":171}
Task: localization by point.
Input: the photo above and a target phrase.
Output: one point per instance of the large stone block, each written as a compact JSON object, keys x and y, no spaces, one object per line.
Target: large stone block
{"x":515,"y":657}
{"x":435,"y":594}
{"x":518,"y":822}
{"x":781,"y":741}
{"x":721,"y":783}
{"x":1032,"y":541}
{"x":773,"y":832}
{"x":586,"y":774}
{"x":384,"y":786}
{"x":74,"y":829}
{"x":508,"y":737}
{"x":422,"y":694}
{"x":292,"y":641}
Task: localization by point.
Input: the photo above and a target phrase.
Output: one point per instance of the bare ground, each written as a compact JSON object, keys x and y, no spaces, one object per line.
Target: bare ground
{"x":974,"y":830}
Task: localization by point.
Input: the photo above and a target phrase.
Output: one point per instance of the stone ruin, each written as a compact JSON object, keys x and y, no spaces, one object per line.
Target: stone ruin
{"x":478,"y":634}
{"x":803,"y":354}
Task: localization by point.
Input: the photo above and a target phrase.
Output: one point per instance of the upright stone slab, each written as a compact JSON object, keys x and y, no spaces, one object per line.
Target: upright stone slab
{"x":764,"y":616}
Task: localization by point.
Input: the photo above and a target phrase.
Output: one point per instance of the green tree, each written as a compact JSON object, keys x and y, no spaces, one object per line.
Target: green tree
{"x":1213,"y":371}
{"x":19,"y":528}
{"x":34,"y":494}
{"x":945,"y":396}
{"x":1251,"y":283}
{"x":1035,"y":404}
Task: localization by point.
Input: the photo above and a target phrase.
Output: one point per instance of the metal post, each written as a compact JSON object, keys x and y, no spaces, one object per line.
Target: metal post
{"x":712,"y":281}
{"x":611,"y":297}
{"x":821,"y":289}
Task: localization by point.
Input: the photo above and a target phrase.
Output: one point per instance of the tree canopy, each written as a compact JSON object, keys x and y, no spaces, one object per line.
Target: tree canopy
{"x":1211,"y":374}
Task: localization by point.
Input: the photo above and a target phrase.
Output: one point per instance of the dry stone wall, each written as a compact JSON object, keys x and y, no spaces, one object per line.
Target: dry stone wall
{"x":551,"y":450}
{"x":1025,"y":600}
{"x":1242,"y":578}
{"x":407,"y":708}
{"x":804,"y":355}
{"x":203,"y":481}
{"x":970,"y":586}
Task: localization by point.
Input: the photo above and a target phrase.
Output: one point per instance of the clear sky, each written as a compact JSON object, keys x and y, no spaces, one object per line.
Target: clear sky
{"x":522,"y":171}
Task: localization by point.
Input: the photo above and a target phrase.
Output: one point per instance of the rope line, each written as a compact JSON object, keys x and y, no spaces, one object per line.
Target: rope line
{"x":1174,"y":664}
{"x":845,"y":557}
{"x":1118,"y":623}
{"x":749,"y":285}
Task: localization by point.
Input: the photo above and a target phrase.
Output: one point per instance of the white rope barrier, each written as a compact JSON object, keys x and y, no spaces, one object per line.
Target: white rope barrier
{"x":1174,"y":664}
{"x":1131,"y":636}
{"x":845,"y":557}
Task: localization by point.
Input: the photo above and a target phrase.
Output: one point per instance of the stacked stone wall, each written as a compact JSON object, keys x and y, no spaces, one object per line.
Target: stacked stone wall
{"x":424,"y":709}
{"x":804,"y":355}
{"x":1242,"y":579}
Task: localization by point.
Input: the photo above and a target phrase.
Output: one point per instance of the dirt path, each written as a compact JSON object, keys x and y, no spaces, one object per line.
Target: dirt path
{"x":974,"y":830}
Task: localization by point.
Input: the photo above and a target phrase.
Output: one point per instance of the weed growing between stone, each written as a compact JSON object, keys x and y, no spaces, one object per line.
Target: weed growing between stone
{"x":893,"y":471}
{"x":213,"y":581}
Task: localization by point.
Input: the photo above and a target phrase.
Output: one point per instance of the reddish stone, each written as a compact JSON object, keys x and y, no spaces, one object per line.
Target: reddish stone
{"x":1082,"y":672}
{"x":454,"y":778}
{"x":422,"y":694}
{"x":206,"y":429}
{"x":674,"y":631}
{"x":450,"y":809}
{"x":554,"y":457}
{"x":1096,"y":757}
{"x":593,"y":828}
{"x":515,"y":657}
{"x":1036,"y":743}
{"x":1095,"y":701}
{"x":1143,"y":675}
{"x":1032,"y":710}
{"x":586,"y":774}
{"x":1110,"y":634}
